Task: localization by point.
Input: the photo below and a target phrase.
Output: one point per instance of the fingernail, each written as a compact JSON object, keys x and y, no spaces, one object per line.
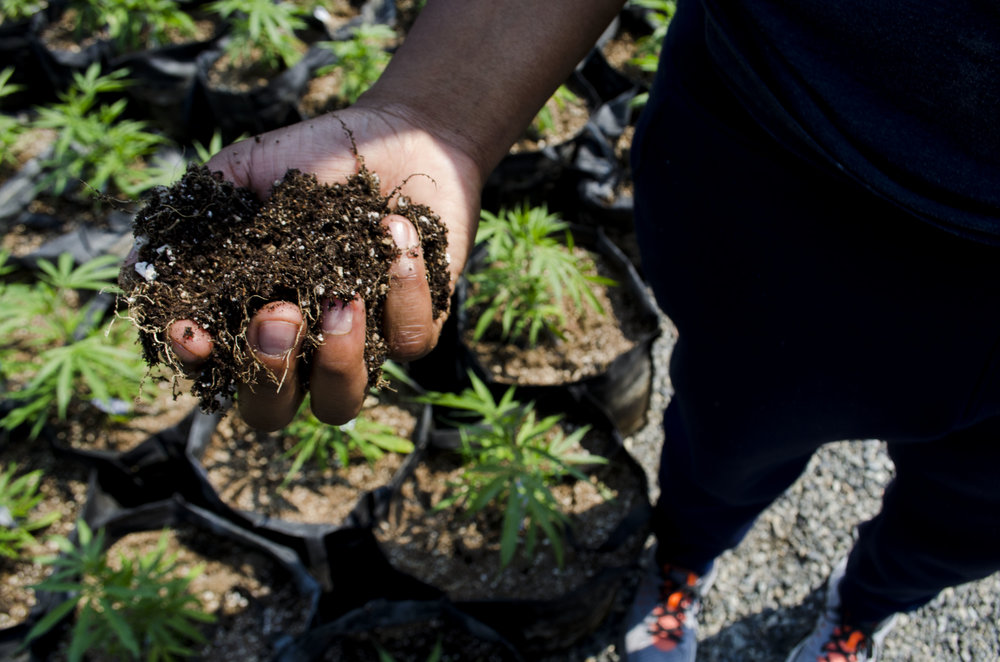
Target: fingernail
{"x":182,"y":352}
{"x":403,"y":234}
{"x":337,"y":318}
{"x":276,"y":338}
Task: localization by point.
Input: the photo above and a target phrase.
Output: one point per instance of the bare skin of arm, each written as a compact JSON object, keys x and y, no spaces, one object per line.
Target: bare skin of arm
{"x":469,"y":77}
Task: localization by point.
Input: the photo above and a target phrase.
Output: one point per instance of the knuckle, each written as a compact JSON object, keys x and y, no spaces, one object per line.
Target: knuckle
{"x":411,"y":341}
{"x":406,"y":276}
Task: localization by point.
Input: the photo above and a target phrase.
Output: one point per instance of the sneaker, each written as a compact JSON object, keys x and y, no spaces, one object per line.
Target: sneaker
{"x":835,"y":640}
{"x":662,"y":625}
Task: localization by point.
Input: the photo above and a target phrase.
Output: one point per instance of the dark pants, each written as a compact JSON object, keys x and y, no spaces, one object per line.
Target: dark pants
{"x":809,"y":311}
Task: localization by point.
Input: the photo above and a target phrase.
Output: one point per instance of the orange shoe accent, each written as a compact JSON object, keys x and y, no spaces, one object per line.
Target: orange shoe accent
{"x":843,"y":647}
{"x":668,"y":628}
{"x":853,"y":641}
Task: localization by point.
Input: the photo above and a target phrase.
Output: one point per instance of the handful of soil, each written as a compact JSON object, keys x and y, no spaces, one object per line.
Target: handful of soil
{"x":212,"y":253}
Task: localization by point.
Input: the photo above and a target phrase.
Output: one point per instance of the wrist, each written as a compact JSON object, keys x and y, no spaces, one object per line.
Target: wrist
{"x":472,"y":154}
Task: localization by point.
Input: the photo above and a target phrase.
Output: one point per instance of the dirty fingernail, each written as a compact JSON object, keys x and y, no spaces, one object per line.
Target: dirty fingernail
{"x":338,"y":318}
{"x":275,"y":338}
{"x":403,"y":234}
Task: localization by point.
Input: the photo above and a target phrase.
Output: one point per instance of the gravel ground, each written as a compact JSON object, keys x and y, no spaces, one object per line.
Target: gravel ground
{"x":770,"y":588}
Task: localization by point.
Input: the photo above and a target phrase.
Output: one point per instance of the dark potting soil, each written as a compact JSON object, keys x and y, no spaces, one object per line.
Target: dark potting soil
{"x":210,"y":252}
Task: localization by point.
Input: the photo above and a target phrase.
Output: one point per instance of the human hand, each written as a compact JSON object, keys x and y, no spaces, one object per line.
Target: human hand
{"x":398,"y":150}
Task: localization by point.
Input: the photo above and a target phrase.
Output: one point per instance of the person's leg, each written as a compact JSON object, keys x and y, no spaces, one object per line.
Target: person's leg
{"x":714,"y":251}
{"x":705,"y":510}
{"x":708,"y":225}
{"x":808,"y":310}
{"x":939,"y":525}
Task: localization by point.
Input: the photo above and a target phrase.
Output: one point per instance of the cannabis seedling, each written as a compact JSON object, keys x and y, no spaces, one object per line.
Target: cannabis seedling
{"x":544,"y":122}
{"x":528,"y":273}
{"x":18,"y":498}
{"x":94,"y":145}
{"x":647,"y":56}
{"x":433,"y":656}
{"x":142,"y":609}
{"x":89,"y":369}
{"x":10,"y":127}
{"x":262,"y":31}
{"x":133,"y":24}
{"x":49,"y":306}
{"x":659,"y":13}
{"x":512,"y":458}
{"x":215,"y":144}
{"x":322,"y":443}
{"x":17,"y":10}
{"x":360,"y":59}
{"x":101,"y":366}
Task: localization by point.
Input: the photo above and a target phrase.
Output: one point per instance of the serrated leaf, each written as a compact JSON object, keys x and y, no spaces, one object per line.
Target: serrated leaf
{"x":119,"y":626}
{"x":487,"y":494}
{"x":50,"y":619}
{"x":513,"y":516}
{"x":64,"y":387}
{"x":540,"y":516}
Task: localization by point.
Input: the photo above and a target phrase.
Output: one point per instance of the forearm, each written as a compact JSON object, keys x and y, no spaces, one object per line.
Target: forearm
{"x":475,"y":72}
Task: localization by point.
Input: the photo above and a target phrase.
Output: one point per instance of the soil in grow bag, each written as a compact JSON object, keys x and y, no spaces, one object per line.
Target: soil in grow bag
{"x":256,"y":605}
{"x":592,"y":339}
{"x":540,"y":605}
{"x":240,"y":586}
{"x":212,"y":253}
{"x":462,"y":556}
{"x":254,"y":471}
{"x":63,"y":487}
{"x":90,"y":428}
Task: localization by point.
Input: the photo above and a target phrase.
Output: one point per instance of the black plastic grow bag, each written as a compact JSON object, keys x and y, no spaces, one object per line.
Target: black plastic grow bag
{"x":623,"y":388}
{"x":235,"y":113}
{"x":103,"y":513}
{"x":19,"y":49}
{"x":163,"y":80}
{"x":310,"y":540}
{"x":405,"y":630}
{"x":558,"y":622}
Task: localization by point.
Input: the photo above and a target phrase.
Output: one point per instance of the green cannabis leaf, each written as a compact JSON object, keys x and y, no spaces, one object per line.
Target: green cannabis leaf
{"x":528,"y":274}
{"x":360,"y":59}
{"x":18,"y":498}
{"x":142,"y":610}
{"x":512,"y":458}
{"x":95,"y":145}
{"x":326,"y":444}
{"x":103,"y":365}
{"x":262,"y":31}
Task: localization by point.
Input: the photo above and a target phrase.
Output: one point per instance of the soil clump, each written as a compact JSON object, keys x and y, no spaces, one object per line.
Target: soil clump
{"x":211,"y":252}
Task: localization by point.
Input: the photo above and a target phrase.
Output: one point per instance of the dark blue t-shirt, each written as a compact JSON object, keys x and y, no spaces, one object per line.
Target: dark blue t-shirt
{"x":902,"y":95}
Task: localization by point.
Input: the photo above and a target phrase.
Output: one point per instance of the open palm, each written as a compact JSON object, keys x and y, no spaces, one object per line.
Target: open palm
{"x":407,"y":159}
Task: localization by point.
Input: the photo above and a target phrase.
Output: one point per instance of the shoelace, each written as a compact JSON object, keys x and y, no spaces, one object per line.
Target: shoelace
{"x":677,"y":594}
{"x":846,"y":641}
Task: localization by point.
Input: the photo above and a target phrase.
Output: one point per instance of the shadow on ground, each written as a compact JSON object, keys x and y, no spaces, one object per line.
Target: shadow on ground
{"x":767,"y":636}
